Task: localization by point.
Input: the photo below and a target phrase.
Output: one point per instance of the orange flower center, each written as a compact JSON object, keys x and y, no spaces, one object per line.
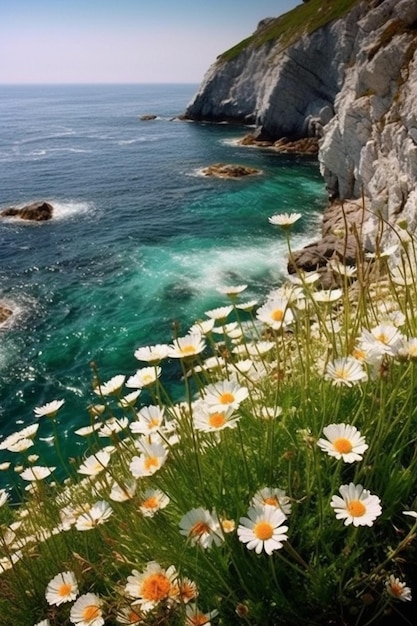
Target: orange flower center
{"x":277,"y":315}
{"x":151,"y":461}
{"x":150,"y":503}
{"x":272,"y":501}
{"x":199,"y":529}
{"x":217,"y":420}
{"x":156,"y":587}
{"x":396,"y":589}
{"x":226,"y":398}
{"x":64,"y":589}
{"x":342,"y":445}
{"x":134,"y":618}
{"x":263,"y":530}
{"x":197,"y":620}
{"x":187,"y":591}
{"x":356,"y":508}
{"x":91,"y":612}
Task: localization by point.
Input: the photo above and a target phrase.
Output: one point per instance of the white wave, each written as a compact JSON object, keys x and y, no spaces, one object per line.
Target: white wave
{"x":69,"y":208}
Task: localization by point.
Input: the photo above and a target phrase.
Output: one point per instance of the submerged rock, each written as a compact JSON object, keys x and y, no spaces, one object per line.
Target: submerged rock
{"x":147,"y":117}
{"x":36,"y":212}
{"x":222,"y":170}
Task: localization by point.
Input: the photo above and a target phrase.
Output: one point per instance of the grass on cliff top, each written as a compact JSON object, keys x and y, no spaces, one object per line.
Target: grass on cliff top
{"x":289,"y":27}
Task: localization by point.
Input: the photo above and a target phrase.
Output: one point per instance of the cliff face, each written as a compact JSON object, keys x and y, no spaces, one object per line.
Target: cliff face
{"x":352,"y":81}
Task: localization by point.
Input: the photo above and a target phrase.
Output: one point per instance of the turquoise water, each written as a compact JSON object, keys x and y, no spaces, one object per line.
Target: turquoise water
{"x":139,"y":239}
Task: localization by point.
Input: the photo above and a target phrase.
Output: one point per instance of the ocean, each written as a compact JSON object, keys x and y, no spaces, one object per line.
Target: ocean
{"x":140,"y":240}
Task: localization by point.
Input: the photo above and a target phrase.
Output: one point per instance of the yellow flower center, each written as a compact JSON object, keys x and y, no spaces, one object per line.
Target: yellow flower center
{"x":154,"y":421}
{"x":382,"y":338}
{"x":199,"y":529}
{"x":150,"y":503}
{"x":356,"y":508}
{"x":263,"y":530}
{"x":277,"y":315}
{"x":64,"y":589}
{"x":342,"y":445}
{"x":90,"y":612}
{"x":359,"y":354}
{"x":342,"y":372}
{"x":151,"y":461}
{"x":190,"y":349}
{"x":272,"y":501}
{"x":226,"y":398}
{"x":156,"y":587}
{"x":217,"y":420}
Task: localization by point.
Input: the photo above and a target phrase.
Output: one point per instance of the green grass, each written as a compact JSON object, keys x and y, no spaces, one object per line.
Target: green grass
{"x":289,"y":27}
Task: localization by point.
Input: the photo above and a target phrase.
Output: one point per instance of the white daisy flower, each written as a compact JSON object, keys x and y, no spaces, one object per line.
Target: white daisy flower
{"x":129,"y":616}
{"x":20,"y":445}
{"x":96,"y":515}
{"x":357,"y":505}
{"x":152,"y":586}
{"x":95,"y":463}
{"x":221,"y":313}
{"x":4,"y":496}
{"x":123,"y":491}
{"x":232,"y":290}
{"x":187,"y":346}
{"x":383,"y":339}
{"x":273,"y":497}
{"x":343,"y":442}
{"x":195,"y":617}
{"x":152,"y":501}
{"x":62,"y":588}
{"x":112,"y":426}
{"x":87,"y":611}
{"x":37,"y":472}
{"x":26,"y":433}
{"x":208,"y":420}
{"x":85,"y":431}
{"x":152,"y":354}
{"x":285,"y":220}
{"x":398,"y":589}
{"x":144,"y":377}
{"x":247,"y":306}
{"x":345,"y":371}
{"x":203,"y":327}
{"x":263,"y":529}
{"x":327,"y":295}
{"x":150,"y":419}
{"x":113,"y":385}
{"x":224,"y":394}
{"x":152,"y":458}
{"x":50,"y":409}
{"x":275,"y":313}
{"x":201,"y":528}
{"x":129,"y":399}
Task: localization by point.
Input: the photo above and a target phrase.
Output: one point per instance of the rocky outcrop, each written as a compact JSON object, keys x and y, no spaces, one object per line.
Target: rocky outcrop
{"x":224,"y":170}
{"x":351,"y":83}
{"x":307,"y":146}
{"x":36,"y":212}
{"x":5,"y":313}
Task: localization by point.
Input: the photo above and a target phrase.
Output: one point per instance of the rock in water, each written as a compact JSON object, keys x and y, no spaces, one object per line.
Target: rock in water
{"x":5,"y":313}
{"x":36,"y":212}
{"x":222,"y":170}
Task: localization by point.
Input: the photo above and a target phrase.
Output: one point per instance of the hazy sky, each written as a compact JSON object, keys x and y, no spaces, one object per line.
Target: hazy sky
{"x":123,"y":41}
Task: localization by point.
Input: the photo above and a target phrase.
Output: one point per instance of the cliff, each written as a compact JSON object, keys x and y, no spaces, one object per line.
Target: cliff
{"x":342,"y":70}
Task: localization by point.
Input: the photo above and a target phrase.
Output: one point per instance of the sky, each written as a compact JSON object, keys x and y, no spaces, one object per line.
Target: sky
{"x":122,"y":41}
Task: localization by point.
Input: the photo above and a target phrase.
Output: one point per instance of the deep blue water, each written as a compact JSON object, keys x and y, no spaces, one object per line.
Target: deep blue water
{"x":139,"y":238}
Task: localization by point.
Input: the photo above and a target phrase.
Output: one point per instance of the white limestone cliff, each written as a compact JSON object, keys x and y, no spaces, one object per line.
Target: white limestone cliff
{"x":353,"y":82}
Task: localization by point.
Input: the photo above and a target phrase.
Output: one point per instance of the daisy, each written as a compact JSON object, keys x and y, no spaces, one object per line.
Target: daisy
{"x":98,"y":514}
{"x":20,"y":445}
{"x":247,"y":306}
{"x":86,"y":611}
{"x":273,"y":497}
{"x":144,"y":377}
{"x":152,"y":501}
{"x":111,"y":386}
{"x":398,"y":589}
{"x":263,"y":529}
{"x":129,"y":399}
{"x":357,"y":505}
{"x":187,"y":346}
{"x":382,"y":339}
{"x":340,"y":268}
{"x":85,"y":431}
{"x":151,"y":586}
{"x":343,"y":442}
{"x":50,"y":409}
{"x":150,"y":419}
{"x":327,"y":295}
{"x":194,"y":617}
{"x":204,"y":327}
{"x":275,"y":313}
{"x":150,"y":461}
{"x":26,"y":433}
{"x":345,"y":371}
{"x":201,"y":527}
{"x":221,"y":313}
{"x":62,"y":588}
{"x":285,"y":220}
{"x":37,"y":472}
{"x":121,"y":492}
{"x":232,"y":291}
{"x":152,"y":354}
{"x":208,"y":420}
{"x":187,"y":590}
{"x":95,"y":463}
{"x":113,"y":426}
{"x":128,"y":615}
{"x":224,"y":394}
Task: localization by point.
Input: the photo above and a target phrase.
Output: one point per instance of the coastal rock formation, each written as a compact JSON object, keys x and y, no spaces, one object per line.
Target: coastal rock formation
{"x":223,"y":170}
{"x":147,"y":117}
{"x":36,"y":212}
{"x":5,"y":313}
{"x":346,"y":76}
